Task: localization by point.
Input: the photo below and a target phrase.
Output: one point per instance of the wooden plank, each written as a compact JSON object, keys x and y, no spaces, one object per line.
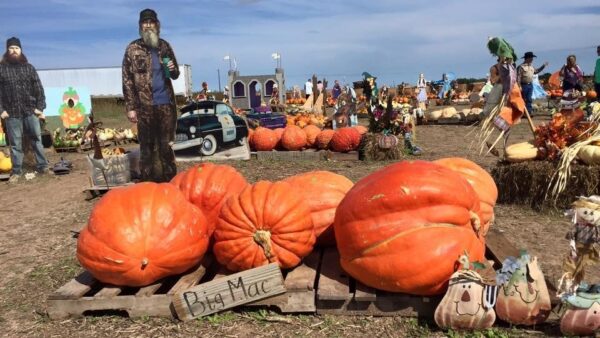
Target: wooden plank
{"x":224,"y":293}
{"x":303,"y":277}
{"x":336,"y":156}
{"x":192,"y":278}
{"x":75,"y":288}
{"x":157,"y":305}
{"x":499,"y":247}
{"x":333,"y":283}
{"x":364,"y":293}
{"x":150,"y":289}
{"x":109,"y":291}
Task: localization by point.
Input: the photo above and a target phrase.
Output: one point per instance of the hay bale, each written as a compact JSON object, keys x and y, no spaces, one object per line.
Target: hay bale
{"x":527,"y":183}
{"x":369,"y":149}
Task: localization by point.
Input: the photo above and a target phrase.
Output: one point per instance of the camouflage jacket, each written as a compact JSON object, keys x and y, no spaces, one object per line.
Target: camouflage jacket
{"x":137,"y":75}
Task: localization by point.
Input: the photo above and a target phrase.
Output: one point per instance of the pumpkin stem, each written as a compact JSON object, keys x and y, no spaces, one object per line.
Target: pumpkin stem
{"x":144,"y":262}
{"x":475,"y":222}
{"x":263,"y":238}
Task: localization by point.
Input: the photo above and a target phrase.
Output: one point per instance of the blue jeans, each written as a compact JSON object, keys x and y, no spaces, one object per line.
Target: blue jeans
{"x":14,"y":130}
{"x":527,"y":92}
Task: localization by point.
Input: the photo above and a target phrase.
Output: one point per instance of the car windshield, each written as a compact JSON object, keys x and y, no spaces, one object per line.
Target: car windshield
{"x":223,"y":109}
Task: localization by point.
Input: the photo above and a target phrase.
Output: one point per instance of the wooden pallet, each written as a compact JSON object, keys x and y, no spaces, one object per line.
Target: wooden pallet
{"x":308,"y":155}
{"x":85,"y":295}
{"x":339,"y":294}
{"x":4,"y":176}
{"x":67,"y":149}
{"x":96,"y":190}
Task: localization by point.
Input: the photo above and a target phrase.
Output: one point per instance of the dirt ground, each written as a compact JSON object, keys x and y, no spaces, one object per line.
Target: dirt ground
{"x":37,"y":254}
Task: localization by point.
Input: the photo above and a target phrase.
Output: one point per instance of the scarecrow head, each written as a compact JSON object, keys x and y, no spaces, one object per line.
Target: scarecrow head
{"x":586,"y":210}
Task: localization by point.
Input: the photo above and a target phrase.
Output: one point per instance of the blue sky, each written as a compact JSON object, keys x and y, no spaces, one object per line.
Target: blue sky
{"x":337,"y":39}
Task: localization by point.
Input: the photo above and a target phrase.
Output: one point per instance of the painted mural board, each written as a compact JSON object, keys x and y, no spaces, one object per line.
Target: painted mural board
{"x":71,"y":104}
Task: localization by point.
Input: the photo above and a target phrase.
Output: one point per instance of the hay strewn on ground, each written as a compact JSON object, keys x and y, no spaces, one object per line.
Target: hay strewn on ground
{"x":527,"y":183}
{"x":369,"y":149}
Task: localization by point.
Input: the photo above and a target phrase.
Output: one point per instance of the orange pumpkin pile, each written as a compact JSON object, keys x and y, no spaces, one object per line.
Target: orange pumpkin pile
{"x":295,"y":138}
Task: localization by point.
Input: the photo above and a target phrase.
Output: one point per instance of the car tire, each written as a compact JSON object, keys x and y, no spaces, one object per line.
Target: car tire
{"x":208,"y":146}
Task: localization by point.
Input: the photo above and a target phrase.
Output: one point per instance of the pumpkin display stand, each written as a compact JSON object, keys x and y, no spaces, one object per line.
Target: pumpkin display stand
{"x":527,"y":183}
{"x":318,"y":285}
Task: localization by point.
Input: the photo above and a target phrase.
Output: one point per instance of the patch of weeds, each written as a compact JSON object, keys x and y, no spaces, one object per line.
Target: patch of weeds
{"x":260,"y":315}
{"x":414,"y":328}
{"x":218,"y":318}
{"x":487,"y":333}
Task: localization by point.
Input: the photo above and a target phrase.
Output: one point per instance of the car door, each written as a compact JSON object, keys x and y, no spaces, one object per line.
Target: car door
{"x":224,"y":115}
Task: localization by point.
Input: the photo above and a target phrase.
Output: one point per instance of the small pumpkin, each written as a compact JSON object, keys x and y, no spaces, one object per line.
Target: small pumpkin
{"x":449,"y":112}
{"x":523,"y":298}
{"x":324,"y":138}
{"x":591,"y":94}
{"x":519,"y":152}
{"x":387,"y":141}
{"x":433,"y":115}
{"x":323,"y":191}
{"x":293,"y":138}
{"x":589,"y":154}
{"x":266,"y":223}
{"x":139,"y":234}
{"x":345,"y":139}
{"x":5,"y":162}
{"x":208,"y":186}
{"x":581,"y":321}
{"x":311,"y":132}
{"x":481,"y":181}
{"x":401,"y":228}
{"x":264,"y":139}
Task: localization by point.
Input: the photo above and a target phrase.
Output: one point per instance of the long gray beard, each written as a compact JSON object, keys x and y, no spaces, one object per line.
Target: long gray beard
{"x":150,"y":38}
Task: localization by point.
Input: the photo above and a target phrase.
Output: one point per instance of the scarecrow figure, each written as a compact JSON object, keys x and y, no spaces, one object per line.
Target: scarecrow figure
{"x":584,"y":240}
{"x":505,"y":113}
{"x":370,"y":91}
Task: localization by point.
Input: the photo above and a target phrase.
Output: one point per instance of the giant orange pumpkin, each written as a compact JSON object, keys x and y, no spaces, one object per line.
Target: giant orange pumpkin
{"x":311,"y":132}
{"x":208,"y":186}
{"x":345,"y":139}
{"x":266,"y":223}
{"x":481,"y":181}
{"x":139,"y":234}
{"x":402,"y":228}
{"x":324,"y":138}
{"x":323,"y":191}
{"x":264,"y":139}
{"x":293,"y":138}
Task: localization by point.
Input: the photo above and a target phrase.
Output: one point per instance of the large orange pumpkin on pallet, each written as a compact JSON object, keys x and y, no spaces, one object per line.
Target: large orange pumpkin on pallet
{"x":323,"y":191}
{"x":345,"y":139}
{"x":140,"y":234}
{"x":481,"y":181}
{"x":293,"y":138}
{"x":264,"y":139}
{"x":266,"y":223}
{"x":402,"y":228}
{"x":208,"y":186}
{"x":311,"y":132}
{"x":324,"y":138}
{"x":278,"y":133}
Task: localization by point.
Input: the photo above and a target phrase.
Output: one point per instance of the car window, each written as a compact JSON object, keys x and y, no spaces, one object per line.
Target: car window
{"x":223,"y":109}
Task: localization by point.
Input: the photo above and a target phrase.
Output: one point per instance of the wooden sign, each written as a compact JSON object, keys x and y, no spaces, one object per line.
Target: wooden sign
{"x":230,"y":291}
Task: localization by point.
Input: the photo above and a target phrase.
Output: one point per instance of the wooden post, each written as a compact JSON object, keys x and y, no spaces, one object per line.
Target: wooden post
{"x":314,"y":89}
{"x":324,"y":97}
{"x":531,"y":125}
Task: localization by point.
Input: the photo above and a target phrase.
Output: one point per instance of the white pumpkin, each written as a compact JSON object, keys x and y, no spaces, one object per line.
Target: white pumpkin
{"x":520,"y":152}
{"x":449,"y":112}
{"x":433,"y":115}
{"x":476,"y":111}
{"x":589,"y":154}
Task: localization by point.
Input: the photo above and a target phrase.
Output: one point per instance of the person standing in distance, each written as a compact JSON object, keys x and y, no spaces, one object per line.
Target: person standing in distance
{"x":22,"y":102}
{"x":149,"y":65}
{"x":525,"y":74}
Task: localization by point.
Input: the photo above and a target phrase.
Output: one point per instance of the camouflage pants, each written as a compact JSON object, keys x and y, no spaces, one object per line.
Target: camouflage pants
{"x":156,"y":129}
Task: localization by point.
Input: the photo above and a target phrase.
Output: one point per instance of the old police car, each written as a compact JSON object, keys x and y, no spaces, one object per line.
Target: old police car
{"x":207,"y":126}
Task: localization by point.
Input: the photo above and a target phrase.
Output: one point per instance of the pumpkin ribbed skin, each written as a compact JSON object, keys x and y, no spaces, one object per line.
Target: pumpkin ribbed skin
{"x":345,"y":139}
{"x":402,"y":228}
{"x":267,"y":222}
{"x":482,"y":183}
{"x":324,"y":138}
{"x":311,"y":132}
{"x":293,"y":138}
{"x":208,"y":186}
{"x":323,"y":191}
{"x":580,"y":322}
{"x":137,"y":235}
{"x":264,"y":139}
